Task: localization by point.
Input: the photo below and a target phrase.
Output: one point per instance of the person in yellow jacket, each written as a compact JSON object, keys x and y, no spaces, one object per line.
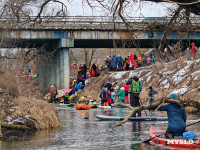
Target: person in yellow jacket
{"x":139,"y":61}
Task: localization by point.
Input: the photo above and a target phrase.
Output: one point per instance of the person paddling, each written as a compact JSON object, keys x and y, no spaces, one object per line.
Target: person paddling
{"x":176,"y":118}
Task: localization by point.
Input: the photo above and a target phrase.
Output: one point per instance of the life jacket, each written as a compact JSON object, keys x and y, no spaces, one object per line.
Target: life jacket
{"x":135,"y":87}
{"x":104,"y":94}
{"x":148,"y":60}
{"x":80,"y":77}
{"x":139,"y":59}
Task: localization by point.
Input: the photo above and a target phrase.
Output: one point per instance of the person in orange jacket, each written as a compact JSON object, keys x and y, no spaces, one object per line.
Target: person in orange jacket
{"x":148,"y":60}
{"x":139,"y":61}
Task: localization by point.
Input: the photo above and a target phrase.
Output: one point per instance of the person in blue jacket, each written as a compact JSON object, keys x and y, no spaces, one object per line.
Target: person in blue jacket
{"x":114,"y":62}
{"x":119,"y":62}
{"x":151,"y":98}
{"x":176,"y":118}
{"x":151,"y":94}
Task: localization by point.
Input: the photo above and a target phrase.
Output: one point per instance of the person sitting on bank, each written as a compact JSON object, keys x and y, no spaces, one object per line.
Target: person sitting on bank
{"x":176,"y":118}
{"x":104,"y":97}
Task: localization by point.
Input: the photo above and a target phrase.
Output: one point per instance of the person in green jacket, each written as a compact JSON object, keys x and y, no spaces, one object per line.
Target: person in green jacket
{"x":121,"y":95}
{"x":66,"y":98}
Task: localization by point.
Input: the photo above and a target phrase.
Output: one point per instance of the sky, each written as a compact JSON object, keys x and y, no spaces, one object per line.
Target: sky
{"x":147,"y":9}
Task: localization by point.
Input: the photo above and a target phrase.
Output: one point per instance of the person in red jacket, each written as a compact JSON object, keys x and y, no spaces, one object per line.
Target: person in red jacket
{"x":192,"y":51}
{"x":126,"y":88}
{"x":131,"y":60}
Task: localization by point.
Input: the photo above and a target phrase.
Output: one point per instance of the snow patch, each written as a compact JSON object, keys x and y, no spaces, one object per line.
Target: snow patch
{"x":118,"y":75}
{"x":180,"y":91}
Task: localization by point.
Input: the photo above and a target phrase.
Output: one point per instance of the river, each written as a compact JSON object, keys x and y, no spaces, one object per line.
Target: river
{"x":81,"y":130}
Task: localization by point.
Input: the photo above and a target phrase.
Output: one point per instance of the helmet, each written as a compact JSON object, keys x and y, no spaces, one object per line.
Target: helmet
{"x":173,"y":96}
{"x":82,"y":98}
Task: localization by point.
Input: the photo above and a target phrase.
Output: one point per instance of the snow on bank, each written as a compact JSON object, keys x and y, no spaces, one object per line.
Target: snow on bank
{"x":172,"y":76}
{"x":118,"y":75}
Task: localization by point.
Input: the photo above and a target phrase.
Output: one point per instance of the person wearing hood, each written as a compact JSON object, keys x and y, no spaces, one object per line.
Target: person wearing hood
{"x":176,"y":118}
{"x":192,"y":51}
{"x":134,"y":90}
{"x":131,"y":60}
{"x":121,"y":95}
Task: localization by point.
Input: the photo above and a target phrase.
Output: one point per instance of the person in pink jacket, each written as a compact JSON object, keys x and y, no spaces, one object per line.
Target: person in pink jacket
{"x":192,"y":51}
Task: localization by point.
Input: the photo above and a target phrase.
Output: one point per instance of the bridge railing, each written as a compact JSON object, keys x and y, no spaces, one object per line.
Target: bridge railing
{"x":96,"y":22}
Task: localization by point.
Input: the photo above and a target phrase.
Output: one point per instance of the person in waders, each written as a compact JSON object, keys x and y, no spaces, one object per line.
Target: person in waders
{"x":134,"y":90}
{"x":104,"y":97}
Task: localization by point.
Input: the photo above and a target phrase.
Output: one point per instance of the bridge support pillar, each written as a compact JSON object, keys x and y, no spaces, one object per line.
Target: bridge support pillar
{"x":62,"y":63}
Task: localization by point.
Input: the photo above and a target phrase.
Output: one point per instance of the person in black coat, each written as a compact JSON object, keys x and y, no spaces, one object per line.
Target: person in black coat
{"x":109,"y":86}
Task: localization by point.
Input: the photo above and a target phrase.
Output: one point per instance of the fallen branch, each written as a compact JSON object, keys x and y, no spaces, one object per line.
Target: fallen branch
{"x":149,"y":106}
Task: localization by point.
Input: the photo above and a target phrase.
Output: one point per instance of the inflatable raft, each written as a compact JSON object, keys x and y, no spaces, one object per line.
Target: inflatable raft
{"x":172,"y":143}
{"x":116,"y":118}
{"x":82,"y":106}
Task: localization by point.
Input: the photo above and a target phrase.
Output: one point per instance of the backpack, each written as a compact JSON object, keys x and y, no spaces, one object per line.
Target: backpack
{"x":189,"y":135}
{"x":54,"y":92}
{"x":135,"y":87}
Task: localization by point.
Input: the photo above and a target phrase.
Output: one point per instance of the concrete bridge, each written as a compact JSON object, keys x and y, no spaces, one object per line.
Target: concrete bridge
{"x":62,"y":33}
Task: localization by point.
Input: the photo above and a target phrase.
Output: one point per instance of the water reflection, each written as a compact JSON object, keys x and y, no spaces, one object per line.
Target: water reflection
{"x":81,"y":130}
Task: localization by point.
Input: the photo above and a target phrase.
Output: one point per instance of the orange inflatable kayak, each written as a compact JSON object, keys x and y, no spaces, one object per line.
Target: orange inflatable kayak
{"x":83,"y":107}
{"x":172,"y":143}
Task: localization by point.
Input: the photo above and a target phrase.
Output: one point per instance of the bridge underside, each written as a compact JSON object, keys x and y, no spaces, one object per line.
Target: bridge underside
{"x":85,"y":43}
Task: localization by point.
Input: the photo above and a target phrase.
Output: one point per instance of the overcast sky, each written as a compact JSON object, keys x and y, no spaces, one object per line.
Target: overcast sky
{"x":146,"y":9}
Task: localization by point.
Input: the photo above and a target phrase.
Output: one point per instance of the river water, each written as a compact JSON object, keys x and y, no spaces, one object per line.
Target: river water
{"x":81,"y":130}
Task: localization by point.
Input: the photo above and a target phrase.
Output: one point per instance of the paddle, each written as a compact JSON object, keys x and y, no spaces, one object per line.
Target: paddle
{"x":147,"y":141}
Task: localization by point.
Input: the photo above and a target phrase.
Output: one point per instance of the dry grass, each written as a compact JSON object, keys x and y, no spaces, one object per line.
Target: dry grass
{"x":42,"y":114}
{"x":23,"y":93}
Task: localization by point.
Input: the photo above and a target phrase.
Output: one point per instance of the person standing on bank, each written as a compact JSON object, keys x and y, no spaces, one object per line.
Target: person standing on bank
{"x":134,"y":90}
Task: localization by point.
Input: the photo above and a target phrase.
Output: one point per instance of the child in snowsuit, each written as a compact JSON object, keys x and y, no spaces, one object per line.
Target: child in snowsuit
{"x":121,"y":95}
{"x":151,"y":100}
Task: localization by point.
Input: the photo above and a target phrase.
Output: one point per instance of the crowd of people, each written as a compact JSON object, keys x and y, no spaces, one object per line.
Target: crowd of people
{"x":131,"y":62}
{"x":84,"y":75}
{"x":176,"y":115}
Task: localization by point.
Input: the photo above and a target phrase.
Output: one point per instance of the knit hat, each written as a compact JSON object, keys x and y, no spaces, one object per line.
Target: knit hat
{"x":108,"y":81}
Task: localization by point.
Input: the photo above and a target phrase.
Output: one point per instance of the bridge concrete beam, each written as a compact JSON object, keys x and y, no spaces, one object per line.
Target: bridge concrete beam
{"x":91,"y":35}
